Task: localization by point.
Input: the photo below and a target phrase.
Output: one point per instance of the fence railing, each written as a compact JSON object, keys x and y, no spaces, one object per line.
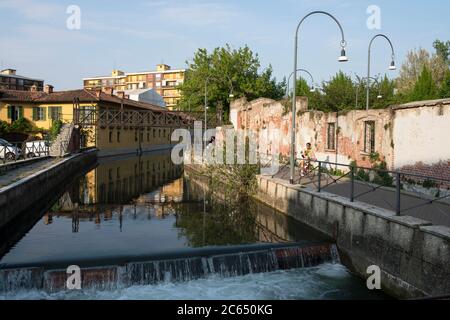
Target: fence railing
{"x":14,"y":151}
{"x":402,"y":191}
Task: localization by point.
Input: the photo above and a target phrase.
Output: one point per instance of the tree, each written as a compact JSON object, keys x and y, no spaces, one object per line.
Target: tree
{"x":228,"y":71}
{"x":386,"y":90}
{"x":413,"y":66}
{"x":339,"y":93}
{"x":425,"y":87}
{"x":444,"y":92}
{"x":443,"y":50}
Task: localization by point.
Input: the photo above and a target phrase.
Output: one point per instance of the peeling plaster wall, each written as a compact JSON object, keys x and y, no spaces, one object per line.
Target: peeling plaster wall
{"x":422,"y":134}
{"x":410,"y":134}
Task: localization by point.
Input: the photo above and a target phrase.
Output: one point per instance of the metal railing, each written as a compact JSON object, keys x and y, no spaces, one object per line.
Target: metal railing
{"x":355,"y":182}
{"x":14,"y":151}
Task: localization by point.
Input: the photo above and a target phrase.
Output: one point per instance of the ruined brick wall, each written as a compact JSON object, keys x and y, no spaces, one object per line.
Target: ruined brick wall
{"x":413,"y":136}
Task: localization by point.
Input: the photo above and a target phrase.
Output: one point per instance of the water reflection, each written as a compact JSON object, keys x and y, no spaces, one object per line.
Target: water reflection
{"x":134,"y":206}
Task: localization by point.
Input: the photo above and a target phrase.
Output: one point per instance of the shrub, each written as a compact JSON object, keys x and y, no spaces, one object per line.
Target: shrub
{"x":55,"y":129}
{"x":22,"y":125}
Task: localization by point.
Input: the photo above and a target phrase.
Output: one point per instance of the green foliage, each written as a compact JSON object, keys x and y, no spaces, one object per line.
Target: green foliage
{"x":427,"y":183}
{"x":4,"y":127}
{"x":444,"y":91}
{"x":229,"y":71}
{"x":55,"y":129}
{"x":22,"y":125}
{"x":442,"y":49}
{"x":339,"y":93}
{"x":425,"y":87}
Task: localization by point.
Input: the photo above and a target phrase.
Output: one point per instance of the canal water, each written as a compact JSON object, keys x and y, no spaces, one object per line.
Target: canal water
{"x":136,"y":208}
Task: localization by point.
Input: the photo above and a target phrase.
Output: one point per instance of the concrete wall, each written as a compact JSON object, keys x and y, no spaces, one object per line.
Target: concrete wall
{"x":37,"y":185}
{"x":413,"y":255}
{"x":420,"y":135}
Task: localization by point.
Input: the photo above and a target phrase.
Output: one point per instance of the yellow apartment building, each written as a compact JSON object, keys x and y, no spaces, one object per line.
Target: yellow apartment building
{"x":163,"y":80}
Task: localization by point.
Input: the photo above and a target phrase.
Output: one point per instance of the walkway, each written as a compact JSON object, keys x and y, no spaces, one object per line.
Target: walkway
{"x":436,"y":213}
{"x":17,"y":174}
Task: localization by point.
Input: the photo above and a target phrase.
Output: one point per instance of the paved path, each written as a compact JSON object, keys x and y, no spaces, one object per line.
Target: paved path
{"x":14,"y":175}
{"x":436,"y":213}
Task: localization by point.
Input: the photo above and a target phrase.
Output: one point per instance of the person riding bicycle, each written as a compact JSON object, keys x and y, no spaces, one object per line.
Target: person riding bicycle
{"x":307,"y":156}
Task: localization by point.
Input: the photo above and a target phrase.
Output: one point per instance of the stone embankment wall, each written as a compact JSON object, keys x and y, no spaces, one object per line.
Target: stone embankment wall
{"x":413,"y":255}
{"x":22,"y":194}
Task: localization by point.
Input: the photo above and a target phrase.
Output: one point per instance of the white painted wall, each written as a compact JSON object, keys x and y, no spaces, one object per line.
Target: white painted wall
{"x":421,"y":135}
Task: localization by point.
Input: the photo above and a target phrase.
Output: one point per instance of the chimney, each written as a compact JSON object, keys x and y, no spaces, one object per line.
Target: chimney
{"x":48,"y":88}
{"x":121,"y":94}
{"x":108,"y":90}
{"x":10,"y":72}
{"x":98,"y":92}
{"x":33,"y":88}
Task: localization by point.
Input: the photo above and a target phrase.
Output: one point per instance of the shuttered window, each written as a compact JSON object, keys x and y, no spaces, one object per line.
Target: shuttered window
{"x":39,"y":114}
{"x":54,"y":113}
{"x":369,"y":136}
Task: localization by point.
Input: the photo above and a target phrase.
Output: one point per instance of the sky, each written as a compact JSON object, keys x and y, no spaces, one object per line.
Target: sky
{"x":135,"y":35}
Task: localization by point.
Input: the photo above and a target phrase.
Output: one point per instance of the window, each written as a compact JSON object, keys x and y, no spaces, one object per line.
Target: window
{"x":148,"y":136}
{"x":135,"y":135}
{"x":54,"y":113}
{"x":369,"y":136}
{"x":154,"y":133}
{"x":15,"y":112}
{"x":331,"y":136}
{"x":39,"y":114}
{"x":110,"y":136}
{"x":118,"y":136}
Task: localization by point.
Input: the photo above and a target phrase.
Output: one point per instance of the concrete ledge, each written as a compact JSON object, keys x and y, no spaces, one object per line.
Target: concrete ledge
{"x":22,"y":194}
{"x":20,"y":163}
{"x":121,"y":151}
{"x":414,"y":255}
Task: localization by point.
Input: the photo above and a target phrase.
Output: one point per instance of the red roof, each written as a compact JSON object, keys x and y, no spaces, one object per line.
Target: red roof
{"x":83,"y":95}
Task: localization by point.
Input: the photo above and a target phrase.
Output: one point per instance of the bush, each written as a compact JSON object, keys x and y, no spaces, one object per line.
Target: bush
{"x":4,"y":127}
{"x":22,"y":125}
{"x":55,"y":129}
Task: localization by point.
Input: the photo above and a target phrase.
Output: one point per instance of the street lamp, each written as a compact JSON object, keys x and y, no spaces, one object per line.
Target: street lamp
{"x":305,"y":71}
{"x":342,"y":58}
{"x":391,"y":66}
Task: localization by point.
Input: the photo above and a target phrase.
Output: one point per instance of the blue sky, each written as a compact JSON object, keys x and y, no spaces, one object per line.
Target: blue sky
{"x":136,"y":35}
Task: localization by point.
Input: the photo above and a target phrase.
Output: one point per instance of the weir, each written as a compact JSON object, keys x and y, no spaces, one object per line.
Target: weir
{"x":184,"y":265}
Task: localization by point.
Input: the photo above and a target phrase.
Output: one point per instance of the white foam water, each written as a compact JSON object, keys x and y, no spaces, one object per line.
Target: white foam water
{"x":326,"y":281}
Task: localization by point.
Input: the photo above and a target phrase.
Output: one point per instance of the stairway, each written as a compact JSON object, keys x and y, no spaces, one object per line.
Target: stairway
{"x":58,"y":148}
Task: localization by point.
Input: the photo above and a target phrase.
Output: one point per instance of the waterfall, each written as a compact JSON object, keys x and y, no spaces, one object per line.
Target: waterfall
{"x":221,"y":261}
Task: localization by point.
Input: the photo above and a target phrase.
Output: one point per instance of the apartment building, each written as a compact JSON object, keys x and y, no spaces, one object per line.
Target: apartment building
{"x":163,"y":80}
{"x":10,"y":80}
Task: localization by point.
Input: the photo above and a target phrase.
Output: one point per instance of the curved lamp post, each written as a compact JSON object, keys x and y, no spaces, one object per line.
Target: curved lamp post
{"x":360,"y":81}
{"x":391,"y":66}
{"x":305,"y":71}
{"x":342,"y":58}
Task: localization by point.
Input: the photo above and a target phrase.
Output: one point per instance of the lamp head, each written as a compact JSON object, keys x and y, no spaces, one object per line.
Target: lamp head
{"x":379,"y":96}
{"x":231,"y":95}
{"x":392,"y":66}
{"x":312,"y":89}
{"x":343,"y":57}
